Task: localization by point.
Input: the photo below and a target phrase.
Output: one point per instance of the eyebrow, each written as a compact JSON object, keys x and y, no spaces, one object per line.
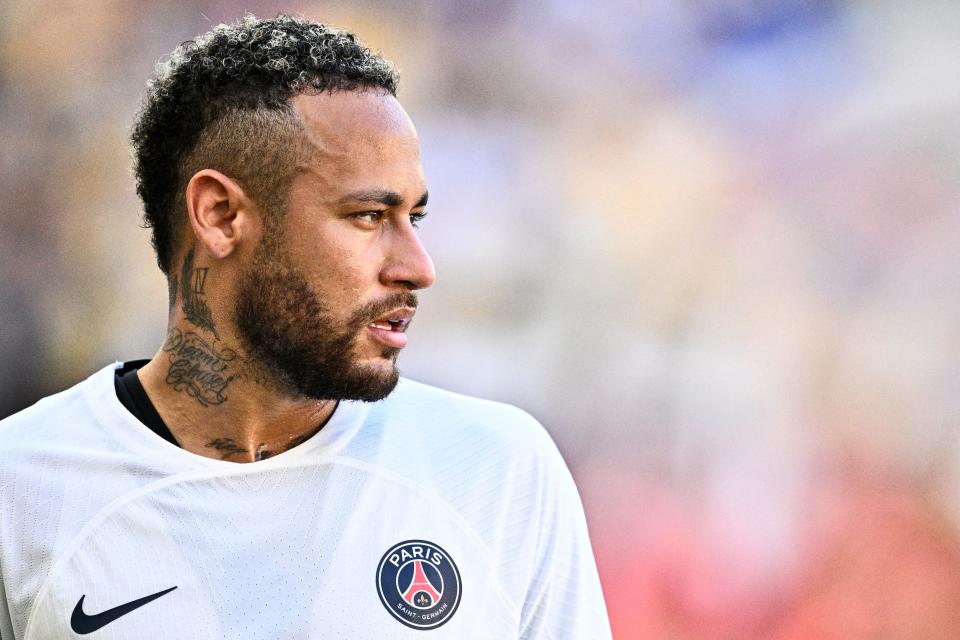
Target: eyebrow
{"x":389,"y":198}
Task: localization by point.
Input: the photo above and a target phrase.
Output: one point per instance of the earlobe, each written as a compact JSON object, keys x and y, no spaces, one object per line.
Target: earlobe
{"x":214,"y":201}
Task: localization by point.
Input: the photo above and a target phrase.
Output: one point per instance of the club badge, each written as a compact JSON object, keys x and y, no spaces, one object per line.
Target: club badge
{"x":419,"y":584}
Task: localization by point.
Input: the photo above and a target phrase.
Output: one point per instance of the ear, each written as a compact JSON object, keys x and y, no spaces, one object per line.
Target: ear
{"x":218,"y":210}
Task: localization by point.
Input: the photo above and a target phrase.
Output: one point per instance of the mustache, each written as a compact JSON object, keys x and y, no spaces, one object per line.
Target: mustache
{"x":378,"y":308}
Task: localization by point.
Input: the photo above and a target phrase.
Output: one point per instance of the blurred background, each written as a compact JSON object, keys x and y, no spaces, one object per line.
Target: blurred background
{"x":711,"y":244}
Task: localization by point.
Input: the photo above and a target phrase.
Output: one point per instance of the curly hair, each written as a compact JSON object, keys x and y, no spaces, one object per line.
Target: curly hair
{"x":223,"y":101}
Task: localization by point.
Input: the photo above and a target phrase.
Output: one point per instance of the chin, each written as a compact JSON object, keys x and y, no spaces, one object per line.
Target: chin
{"x":373,"y":387}
{"x":380,"y":374}
{"x":368,"y":381}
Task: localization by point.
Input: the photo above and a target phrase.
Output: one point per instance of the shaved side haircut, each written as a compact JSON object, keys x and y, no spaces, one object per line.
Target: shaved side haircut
{"x":223,"y":101}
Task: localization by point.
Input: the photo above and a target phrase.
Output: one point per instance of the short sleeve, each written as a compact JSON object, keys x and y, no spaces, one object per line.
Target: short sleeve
{"x":6,"y":624}
{"x":564,"y":600}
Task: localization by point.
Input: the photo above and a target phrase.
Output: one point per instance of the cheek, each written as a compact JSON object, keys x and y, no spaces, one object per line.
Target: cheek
{"x":341,"y":262}
{"x":342,"y":279}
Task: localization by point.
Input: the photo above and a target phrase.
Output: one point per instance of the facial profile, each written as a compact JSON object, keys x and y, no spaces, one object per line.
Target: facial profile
{"x":324,"y":302}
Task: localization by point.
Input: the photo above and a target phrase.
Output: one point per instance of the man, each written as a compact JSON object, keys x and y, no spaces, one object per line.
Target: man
{"x":282,"y":181}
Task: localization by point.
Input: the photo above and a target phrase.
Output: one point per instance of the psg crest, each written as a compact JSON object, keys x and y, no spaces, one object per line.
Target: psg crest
{"x":419,"y":584}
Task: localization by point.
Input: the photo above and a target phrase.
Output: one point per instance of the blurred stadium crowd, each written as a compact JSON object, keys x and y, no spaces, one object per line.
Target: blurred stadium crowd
{"x":711,"y":244}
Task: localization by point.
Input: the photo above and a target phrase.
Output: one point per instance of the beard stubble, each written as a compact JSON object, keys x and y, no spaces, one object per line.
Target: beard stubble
{"x":295,"y":339}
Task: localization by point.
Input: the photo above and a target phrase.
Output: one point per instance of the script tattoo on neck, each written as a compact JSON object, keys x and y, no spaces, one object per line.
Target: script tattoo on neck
{"x":198,"y":368}
{"x":227,"y":447}
{"x":192,"y":282}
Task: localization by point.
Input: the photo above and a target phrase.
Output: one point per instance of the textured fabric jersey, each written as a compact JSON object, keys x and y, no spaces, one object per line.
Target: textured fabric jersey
{"x":428,"y":514}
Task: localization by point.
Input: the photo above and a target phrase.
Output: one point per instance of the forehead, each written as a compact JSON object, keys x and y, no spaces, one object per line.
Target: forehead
{"x":362,"y":139}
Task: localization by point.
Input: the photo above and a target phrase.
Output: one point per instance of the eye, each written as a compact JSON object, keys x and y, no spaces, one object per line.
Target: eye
{"x":416,"y":217}
{"x":369,"y":216}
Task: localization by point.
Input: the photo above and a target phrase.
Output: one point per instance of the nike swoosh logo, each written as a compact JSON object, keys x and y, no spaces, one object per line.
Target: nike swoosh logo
{"x":83,"y":624}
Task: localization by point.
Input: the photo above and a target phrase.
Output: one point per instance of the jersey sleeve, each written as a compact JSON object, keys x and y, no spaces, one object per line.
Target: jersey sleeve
{"x":564,"y":600}
{"x":6,"y":624}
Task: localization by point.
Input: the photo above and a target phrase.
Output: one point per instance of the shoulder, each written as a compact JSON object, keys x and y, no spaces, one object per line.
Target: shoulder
{"x":461,"y":440}
{"x":454,"y":419}
{"x":61,"y":433}
{"x":427,"y":396}
{"x":43,"y":423}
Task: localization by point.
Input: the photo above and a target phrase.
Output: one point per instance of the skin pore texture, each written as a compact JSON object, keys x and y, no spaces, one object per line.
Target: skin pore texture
{"x":279,"y":314}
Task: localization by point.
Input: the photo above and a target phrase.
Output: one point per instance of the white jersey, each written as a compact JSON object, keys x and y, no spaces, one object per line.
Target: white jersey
{"x":425,"y":515}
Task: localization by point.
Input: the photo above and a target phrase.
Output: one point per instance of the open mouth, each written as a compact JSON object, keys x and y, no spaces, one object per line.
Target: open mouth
{"x":390,"y":325}
{"x":398,"y":320}
{"x":389,"y":329}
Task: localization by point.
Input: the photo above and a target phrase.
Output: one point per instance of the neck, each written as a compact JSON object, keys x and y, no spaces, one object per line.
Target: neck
{"x":220,"y":405}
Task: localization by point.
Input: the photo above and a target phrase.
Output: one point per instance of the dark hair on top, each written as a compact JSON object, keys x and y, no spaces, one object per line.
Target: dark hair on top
{"x":222,"y":102}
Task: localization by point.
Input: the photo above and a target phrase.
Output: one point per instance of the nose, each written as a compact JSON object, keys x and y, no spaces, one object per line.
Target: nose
{"x":408,"y":263}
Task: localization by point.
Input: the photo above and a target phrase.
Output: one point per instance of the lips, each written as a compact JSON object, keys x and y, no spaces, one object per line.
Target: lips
{"x":389,"y":328}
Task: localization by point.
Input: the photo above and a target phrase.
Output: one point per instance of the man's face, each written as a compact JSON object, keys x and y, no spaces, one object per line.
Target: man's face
{"x":329,"y":291}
